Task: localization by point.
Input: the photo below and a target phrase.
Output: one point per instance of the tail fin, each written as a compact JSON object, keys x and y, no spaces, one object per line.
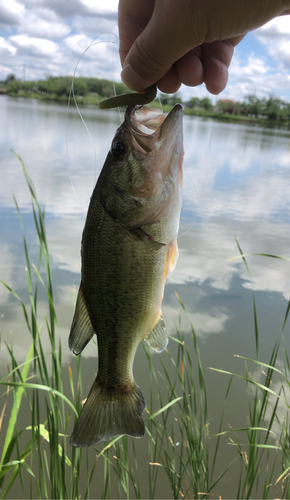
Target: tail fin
{"x":109,"y":413}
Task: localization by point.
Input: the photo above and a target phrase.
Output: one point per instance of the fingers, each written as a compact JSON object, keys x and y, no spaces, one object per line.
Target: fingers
{"x":160,"y":37}
{"x":216,"y":76}
{"x":186,"y":41}
{"x":206,"y":64}
{"x":217,"y":57}
{"x":158,"y":46}
{"x":133,"y":17}
{"x":169,"y":83}
{"x":189,"y":68}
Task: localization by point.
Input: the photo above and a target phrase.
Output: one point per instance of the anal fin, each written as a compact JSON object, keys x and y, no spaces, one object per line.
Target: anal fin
{"x":157,"y":338}
{"x":82,"y":329}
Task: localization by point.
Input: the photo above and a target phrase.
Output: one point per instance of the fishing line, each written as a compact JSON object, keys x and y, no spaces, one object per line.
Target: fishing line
{"x":160,"y":103}
{"x":114,"y":86}
{"x":96,"y":41}
{"x":195,"y":219}
{"x":72,"y":96}
{"x":187,"y":171}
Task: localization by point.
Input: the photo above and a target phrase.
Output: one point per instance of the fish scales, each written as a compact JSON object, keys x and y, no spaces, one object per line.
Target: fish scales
{"x":111,"y":256}
{"x":128,"y":245}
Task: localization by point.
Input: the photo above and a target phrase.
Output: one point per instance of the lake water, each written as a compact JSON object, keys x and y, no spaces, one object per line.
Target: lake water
{"x":236,"y":184}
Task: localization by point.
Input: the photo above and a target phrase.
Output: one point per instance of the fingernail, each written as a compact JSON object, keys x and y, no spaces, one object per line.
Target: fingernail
{"x":132,"y":79}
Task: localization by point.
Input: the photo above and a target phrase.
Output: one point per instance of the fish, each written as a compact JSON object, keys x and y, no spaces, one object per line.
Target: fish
{"x":129,"y":243}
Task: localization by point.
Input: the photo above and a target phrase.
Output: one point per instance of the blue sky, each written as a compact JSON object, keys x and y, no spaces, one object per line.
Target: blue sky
{"x":47,"y":37}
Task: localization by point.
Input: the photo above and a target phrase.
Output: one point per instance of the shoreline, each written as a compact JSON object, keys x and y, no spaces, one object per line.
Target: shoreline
{"x":93,"y":100}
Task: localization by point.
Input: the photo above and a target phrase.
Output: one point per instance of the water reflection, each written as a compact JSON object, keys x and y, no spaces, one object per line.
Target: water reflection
{"x":235,"y":174}
{"x":236,"y":181}
{"x":236,"y":184}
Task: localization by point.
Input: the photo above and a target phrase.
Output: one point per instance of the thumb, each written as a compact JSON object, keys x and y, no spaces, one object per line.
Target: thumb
{"x":157,"y":48}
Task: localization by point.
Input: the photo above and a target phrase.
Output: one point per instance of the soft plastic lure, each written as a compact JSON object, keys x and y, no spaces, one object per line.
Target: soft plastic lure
{"x":130,"y":99}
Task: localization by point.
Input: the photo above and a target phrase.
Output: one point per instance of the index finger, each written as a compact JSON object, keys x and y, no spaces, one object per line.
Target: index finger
{"x":133,"y":17}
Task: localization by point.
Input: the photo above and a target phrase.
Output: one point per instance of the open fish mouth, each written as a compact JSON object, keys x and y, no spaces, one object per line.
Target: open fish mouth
{"x":151,"y":129}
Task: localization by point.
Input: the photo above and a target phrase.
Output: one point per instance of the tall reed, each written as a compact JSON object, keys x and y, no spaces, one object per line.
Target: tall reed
{"x":37,"y":460}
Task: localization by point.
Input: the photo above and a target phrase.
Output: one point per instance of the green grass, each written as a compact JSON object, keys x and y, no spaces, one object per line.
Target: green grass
{"x":182,"y":458}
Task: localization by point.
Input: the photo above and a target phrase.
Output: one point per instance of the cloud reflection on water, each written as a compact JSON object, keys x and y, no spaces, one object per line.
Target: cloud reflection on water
{"x":236,"y":182}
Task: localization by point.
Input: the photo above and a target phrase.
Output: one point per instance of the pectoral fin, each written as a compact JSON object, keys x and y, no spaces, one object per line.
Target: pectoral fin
{"x":157,"y":338}
{"x":171,"y":259}
{"x":146,"y":238}
{"x":81,"y":329}
{"x":174,"y":256}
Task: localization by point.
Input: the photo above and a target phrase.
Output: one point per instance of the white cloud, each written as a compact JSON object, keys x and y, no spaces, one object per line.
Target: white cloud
{"x":256,"y":67}
{"x":40,"y":38}
{"x":277,"y":28}
{"x":97,"y":8}
{"x":34,"y":46}
{"x":79,"y":44}
{"x":101,"y":53}
{"x":68,"y":9}
{"x":95,"y":25}
{"x":255,"y":76}
{"x":11,"y":12}
{"x":42,"y":23}
{"x":6,"y":49}
{"x":275,"y":37}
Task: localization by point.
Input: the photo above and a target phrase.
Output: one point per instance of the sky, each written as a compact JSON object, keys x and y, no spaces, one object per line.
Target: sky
{"x":48,"y":37}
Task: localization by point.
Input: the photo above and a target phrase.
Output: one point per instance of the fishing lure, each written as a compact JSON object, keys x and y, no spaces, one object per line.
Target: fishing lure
{"x":130,"y":99}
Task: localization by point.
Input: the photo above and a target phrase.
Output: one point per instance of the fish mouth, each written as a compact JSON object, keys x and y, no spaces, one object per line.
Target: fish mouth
{"x":151,"y":129}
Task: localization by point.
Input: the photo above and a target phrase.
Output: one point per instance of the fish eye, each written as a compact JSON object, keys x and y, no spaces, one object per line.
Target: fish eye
{"x":118,"y":149}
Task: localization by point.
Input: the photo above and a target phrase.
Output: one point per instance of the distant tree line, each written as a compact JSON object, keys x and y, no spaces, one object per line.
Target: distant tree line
{"x":271,"y":108}
{"x":195,"y":102}
{"x":61,"y":86}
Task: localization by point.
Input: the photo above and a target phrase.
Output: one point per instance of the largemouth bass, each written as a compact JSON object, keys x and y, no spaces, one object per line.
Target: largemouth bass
{"x":129,"y":243}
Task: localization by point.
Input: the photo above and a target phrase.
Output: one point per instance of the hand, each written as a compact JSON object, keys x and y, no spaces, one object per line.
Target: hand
{"x":170,"y":42}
